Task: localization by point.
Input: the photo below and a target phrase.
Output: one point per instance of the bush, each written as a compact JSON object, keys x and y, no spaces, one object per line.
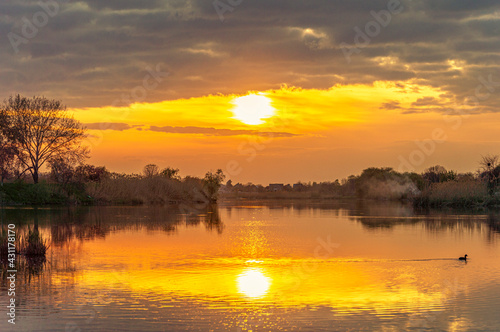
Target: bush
{"x":212,"y":183}
{"x":23,"y":193}
{"x":33,"y":245}
{"x":149,"y":190}
{"x":384,"y":183}
{"x":455,"y":193}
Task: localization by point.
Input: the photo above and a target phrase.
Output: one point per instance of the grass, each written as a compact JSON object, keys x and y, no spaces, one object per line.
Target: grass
{"x":33,"y":244}
{"x":152,"y":190}
{"x":468,"y":193}
{"x":21,"y":193}
{"x":278,"y":195}
{"x":4,"y":248}
{"x":30,"y":253}
{"x":122,"y":190}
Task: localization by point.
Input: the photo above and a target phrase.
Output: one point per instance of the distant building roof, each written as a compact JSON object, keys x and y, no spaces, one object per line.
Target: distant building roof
{"x":276,"y":186}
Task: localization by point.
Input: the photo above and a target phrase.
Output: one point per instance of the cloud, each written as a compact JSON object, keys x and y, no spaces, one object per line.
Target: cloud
{"x":391,"y":105}
{"x":217,"y":132}
{"x":426,"y":101}
{"x":93,"y":52}
{"x":207,"y":131}
{"x":109,"y":126}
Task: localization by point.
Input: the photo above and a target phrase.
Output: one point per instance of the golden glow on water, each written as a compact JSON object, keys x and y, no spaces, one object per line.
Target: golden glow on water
{"x":289,"y":283}
{"x":253,"y":283}
{"x":263,"y":267}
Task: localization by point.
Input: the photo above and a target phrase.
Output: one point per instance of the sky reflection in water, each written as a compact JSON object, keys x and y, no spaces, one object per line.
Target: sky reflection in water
{"x":260,"y":266}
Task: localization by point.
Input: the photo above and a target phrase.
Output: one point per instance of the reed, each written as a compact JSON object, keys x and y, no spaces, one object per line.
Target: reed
{"x":455,"y":193}
{"x":145,"y":190}
{"x":33,"y":244}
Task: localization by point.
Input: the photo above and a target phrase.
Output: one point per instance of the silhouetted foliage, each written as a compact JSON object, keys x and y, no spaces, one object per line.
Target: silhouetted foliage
{"x":8,"y":165}
{"x":90,"y":173}
{"x":33,"y":244}
{"x":61,"y":171}
{"x":212,"y":182}
{"x":171,"y":173}
{"x":435,"y":174}
{"x":42,"y":131}
{"x":151,"y":170}
{"x":384,"y":183}
{"x":417,"y":179}
{"x":490,"y":172}
{"x":489,"y":162}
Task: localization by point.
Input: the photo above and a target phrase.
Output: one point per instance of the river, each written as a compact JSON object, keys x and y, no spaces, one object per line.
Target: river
{"x":257,"y":266}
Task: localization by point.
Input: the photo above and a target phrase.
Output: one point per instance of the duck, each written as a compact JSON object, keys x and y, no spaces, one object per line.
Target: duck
{"x":463,"y":258}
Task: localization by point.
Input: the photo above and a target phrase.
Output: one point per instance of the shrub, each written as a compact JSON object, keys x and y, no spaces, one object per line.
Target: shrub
{"x":150,"y":190}
{"x":455,"y":193}
{"x":33,"y":245}
{"x":384,"y":183}
{"x":41,"y":193}
{"x":212,"y":183}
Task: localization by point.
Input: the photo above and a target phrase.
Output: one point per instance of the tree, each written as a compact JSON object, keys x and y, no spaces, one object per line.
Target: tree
{"x":171,"y":173}
{"x":8,"y":152}
{"x":212,"y":182}
{"x":61,"y":171}
{"x":150,"y":170}
{"x":42,"y":131}
{"x":435,"y":174}
{"x":90,"y":173}
{"x":490,"y":171}
{"x":488,"y":162}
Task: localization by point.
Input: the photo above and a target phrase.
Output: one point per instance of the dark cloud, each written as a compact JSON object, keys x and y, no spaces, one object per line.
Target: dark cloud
{"x":184,"y":130}
{"x":93,"y":52}
{"x":391,"y":105}
{"x":452,"y":8}
{"x":123,"y":4}
{"x":109,"y":126}
{"x":217,"y":132}
{"x":426,"y":101}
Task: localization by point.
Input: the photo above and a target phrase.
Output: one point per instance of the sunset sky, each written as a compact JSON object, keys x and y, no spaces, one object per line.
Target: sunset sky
{"x":268,"y":91}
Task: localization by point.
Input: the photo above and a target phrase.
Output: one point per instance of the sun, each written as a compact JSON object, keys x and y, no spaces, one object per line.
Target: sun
{"x":253,"y":283}
{"x":251,"y":109}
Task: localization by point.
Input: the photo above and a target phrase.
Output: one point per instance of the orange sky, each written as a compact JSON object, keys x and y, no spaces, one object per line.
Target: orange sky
{"x":343,"y":85}
{"x":305,"y":134}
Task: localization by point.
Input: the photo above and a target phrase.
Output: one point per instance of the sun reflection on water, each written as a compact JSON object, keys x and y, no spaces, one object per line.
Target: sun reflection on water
{"x":253,"y":283}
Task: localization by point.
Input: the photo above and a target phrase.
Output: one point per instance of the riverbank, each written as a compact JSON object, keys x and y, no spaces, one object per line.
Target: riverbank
{"x":279,"y":195}
{"x":111,"y":191}
{"x":430,"y":189}
{"x":471,"y":193}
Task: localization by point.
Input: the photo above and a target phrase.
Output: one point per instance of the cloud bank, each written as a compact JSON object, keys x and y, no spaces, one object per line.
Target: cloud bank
{"x":91,"y":53}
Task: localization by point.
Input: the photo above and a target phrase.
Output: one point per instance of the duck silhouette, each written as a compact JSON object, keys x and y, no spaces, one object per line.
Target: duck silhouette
{"x":463,"y":258}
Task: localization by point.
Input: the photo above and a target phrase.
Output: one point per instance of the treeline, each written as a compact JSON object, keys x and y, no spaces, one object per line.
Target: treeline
{"x":435,"y":187}
{"x":372,"y":183}
{"x":38,"y":134}
{"x":88,"y":184}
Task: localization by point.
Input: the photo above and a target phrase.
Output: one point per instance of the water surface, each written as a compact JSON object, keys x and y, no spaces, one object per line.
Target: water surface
{"x":258,"y":266}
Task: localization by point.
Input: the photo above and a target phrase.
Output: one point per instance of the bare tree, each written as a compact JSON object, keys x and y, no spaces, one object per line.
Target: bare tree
{"x":488,"y":162}
{"x":151,"y":170}
{"x":490,"y":171}
{"x":42,"y":131}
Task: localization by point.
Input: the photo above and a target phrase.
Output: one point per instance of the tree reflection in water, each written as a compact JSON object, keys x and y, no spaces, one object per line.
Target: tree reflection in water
{"x":68,"y":226}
